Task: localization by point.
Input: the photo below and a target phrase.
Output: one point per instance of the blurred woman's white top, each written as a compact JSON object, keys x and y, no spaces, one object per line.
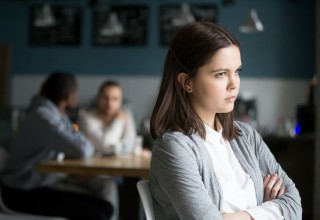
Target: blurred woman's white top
{"x":236,"y":184}
{"x":118,"y":137}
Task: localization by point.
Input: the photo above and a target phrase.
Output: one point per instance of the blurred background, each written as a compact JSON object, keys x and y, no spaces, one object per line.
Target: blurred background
{"x":127,"y":40}
{"x":278,"y":62}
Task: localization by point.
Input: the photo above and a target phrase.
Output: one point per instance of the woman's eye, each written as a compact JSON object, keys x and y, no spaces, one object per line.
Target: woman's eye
{"x":219,"y":75}
{"x":238,"y":70}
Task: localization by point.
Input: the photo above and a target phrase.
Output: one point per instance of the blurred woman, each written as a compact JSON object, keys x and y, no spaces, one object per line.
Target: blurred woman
{"x":110,"y":128}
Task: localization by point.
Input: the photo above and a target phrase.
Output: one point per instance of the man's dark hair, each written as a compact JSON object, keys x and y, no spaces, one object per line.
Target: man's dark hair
{"x":58,"y":86}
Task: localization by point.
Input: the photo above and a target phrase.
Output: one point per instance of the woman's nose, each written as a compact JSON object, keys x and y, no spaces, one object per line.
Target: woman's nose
{"x":232,"y":82}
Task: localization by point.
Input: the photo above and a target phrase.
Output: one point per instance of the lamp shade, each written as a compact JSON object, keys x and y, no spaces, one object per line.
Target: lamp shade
{"x":184,"y":17}
{"x":44,"y":17}
{"x":252,"y":24}
{"x":113,"y":27}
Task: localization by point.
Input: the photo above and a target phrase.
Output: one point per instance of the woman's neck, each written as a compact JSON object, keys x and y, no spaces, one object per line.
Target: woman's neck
{"x":208,"y":119}
{"x":212,"y":122}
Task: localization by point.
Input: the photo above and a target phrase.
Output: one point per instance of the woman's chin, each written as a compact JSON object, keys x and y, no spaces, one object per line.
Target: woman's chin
{"x":227,"y":110}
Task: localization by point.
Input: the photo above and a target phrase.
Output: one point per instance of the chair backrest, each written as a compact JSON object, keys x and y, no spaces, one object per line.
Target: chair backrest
{"x":145,"y":195}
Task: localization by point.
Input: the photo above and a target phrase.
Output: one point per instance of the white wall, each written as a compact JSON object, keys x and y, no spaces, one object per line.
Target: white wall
{"x":276,"y":98}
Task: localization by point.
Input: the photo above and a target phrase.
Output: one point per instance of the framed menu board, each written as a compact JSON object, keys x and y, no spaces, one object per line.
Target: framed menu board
{"x":173,"y":17}
{"x":120,"y":25}
{"x":55,"y":25}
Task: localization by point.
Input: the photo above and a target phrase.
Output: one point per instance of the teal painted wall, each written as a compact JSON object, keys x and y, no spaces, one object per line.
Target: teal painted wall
{"x":286,"y":49}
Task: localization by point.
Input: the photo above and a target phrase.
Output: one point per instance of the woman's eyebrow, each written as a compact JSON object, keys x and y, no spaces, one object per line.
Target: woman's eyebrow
{"x":224,"y":69}
{"x":220,"y":70}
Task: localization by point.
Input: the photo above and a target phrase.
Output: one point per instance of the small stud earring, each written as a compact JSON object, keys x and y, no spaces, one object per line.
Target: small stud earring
{"x":189,"y":89}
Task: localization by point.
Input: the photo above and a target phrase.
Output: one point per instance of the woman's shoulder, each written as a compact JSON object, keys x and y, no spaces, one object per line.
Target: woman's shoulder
{"x":248,"y":133}
{"x":173,"y":136}
{"x":175,"y":141}
{"x":245,"y":128}
{"x":128,"y":115}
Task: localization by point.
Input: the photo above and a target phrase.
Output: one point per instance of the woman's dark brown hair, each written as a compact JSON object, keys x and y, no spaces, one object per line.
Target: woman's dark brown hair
{"x":106,"y":84}
{"x":192,"y":47}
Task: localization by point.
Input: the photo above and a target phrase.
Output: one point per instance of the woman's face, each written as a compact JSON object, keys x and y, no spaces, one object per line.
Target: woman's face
{"x":216,"y":85}
{"x":110,"y":100}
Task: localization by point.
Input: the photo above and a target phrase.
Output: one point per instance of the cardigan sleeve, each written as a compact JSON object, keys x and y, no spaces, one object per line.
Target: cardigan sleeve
{"x":290,"y":201}
{"x":176,"y":169}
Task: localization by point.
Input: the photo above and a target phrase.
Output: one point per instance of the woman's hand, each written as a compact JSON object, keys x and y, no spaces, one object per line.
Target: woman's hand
{"x":241,"y":215}
{"x":273,"y":188}
{"x":122,"y":115}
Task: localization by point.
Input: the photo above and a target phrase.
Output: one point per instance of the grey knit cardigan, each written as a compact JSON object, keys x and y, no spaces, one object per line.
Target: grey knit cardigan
{"x":184,"y":186}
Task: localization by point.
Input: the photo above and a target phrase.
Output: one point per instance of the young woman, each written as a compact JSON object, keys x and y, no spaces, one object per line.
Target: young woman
{"x":46,"y":132}
{"x":204,"y":165}
{"x":111,"y":131}
{"x":110,"y":128}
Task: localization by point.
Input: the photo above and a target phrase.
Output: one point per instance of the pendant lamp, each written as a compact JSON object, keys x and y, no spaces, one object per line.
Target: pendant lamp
{"x":113,"y":27}
{"x":252,"y":24}
{"x":184,"y":17}
{"x":44,"y":17}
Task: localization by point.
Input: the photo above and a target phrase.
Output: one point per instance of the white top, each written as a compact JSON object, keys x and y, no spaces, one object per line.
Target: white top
{"x":117,"y":137}
{"x":237,"y":186}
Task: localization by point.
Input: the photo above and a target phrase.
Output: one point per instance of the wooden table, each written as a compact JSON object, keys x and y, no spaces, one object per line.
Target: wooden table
{"x":133,"y":168}
{"x":126,"y":166}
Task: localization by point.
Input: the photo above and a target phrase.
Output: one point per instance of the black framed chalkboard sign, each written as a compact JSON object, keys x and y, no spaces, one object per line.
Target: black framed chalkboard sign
{"x":117,"y":25}
{"x":174,"y":16}
{"x":55,"y":25}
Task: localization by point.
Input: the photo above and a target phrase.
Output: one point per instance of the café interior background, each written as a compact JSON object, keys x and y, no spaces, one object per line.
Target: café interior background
{"x":278,"y":63}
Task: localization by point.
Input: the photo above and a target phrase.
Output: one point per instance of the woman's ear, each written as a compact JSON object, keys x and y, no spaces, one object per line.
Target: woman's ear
{"x":185,"y":82}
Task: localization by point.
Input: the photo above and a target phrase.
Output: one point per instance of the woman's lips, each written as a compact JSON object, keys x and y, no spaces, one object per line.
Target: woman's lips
{"x":231,"y":98}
